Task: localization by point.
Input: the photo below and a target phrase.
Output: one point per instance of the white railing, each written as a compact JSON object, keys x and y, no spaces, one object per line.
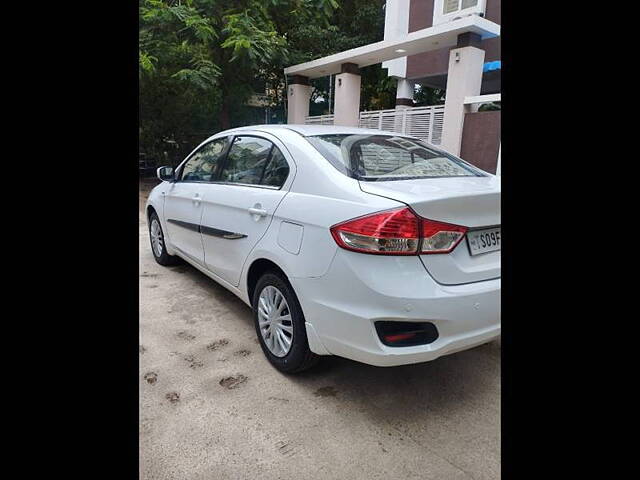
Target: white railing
{"x":319,"y":120}
{"x":421,"y":122}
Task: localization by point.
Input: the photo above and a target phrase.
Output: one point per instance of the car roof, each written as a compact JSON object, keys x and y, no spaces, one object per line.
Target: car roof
{"x":310,"y":130}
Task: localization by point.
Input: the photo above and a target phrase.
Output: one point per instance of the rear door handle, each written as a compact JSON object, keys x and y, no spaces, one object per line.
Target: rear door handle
{"x":258,"y":211}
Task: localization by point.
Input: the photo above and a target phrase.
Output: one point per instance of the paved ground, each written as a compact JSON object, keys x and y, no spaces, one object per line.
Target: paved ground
{"x":211,"y":406}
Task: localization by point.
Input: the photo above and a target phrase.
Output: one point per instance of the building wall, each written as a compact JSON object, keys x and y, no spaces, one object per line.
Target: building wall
{"x":481,"y":139}
{"x":436,"y":62}
{"x":420,"y":14}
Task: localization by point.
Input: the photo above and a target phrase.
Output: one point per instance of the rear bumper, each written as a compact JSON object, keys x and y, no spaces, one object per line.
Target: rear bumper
{"x":359,"y":289}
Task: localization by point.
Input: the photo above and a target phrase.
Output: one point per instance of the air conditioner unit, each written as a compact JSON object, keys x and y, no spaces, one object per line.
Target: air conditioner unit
{"x":450,"y":10}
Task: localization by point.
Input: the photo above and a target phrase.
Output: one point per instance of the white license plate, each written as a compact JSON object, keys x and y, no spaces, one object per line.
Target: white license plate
{"x":483,"y":241}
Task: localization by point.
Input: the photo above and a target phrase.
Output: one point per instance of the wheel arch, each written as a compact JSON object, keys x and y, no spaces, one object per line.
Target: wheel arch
{"x":155,"y":204}
{"x":151,"y":209}
{"x":257,"y":268}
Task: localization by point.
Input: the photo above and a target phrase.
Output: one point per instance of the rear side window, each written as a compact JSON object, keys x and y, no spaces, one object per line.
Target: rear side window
{"x":203,"y":165}
{"x":255,"y":161}
{"x":385,"y":157}
{"x":277,"y":170}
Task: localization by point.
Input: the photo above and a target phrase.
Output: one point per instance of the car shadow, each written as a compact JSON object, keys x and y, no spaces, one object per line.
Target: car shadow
{"x":446,"y":384}
{"x":215,"y":291}
{"x":443,"y":385}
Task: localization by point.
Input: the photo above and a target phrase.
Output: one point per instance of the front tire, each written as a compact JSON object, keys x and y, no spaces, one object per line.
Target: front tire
{"x":280,"y":324}
{"x":158,"y":245}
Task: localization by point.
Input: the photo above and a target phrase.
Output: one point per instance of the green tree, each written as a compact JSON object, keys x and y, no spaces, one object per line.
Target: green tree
{"x":429,"y":96}
{"x":201,"y":60}
{"x":355,"y":23}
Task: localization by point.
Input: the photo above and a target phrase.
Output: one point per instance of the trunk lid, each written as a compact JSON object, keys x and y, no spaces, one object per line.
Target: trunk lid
{"x":473,"y":202}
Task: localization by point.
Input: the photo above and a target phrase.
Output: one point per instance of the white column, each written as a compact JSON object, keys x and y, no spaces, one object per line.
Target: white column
{"x":404,"y":101}
{"x":347,"y":97}
{"x":298,"y":96}
{"x":499,"y":157}
{"x":464,"y":79}
{"x":396,"y":25}
{"x":404,"y":93}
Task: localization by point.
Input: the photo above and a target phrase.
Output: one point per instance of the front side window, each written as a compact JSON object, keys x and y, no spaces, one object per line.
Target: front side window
{"x":255,"y":161}
{"x":385,"y":157}
{"x":203,"y":165}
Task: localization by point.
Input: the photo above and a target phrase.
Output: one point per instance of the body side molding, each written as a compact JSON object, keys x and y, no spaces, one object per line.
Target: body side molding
{"x":214,"y":232}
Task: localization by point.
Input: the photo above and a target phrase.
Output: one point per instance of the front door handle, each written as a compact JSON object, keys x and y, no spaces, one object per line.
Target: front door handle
{"x":196,"y":199}
{"x":261,"y":212}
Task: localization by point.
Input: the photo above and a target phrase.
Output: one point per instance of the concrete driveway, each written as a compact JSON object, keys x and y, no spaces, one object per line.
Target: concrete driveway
{"x":212,"y":407}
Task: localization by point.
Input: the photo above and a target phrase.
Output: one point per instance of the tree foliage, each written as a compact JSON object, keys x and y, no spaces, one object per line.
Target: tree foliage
{"x":201,"y":60}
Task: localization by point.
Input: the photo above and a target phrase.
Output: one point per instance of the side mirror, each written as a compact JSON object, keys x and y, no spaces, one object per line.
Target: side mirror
{"x":165,"y":174}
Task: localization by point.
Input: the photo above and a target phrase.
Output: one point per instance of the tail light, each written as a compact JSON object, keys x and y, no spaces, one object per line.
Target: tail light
{"x":397,"y":232}
{"x":439,"y":237}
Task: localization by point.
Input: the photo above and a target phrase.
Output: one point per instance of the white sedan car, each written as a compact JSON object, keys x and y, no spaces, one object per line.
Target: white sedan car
{"x":344,"y":241}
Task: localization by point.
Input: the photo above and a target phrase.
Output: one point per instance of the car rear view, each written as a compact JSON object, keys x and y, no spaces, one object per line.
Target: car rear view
{"x":420,"y":279}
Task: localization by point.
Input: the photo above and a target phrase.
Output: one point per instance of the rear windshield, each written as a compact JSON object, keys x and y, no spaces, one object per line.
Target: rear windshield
{"x":385,"y":157}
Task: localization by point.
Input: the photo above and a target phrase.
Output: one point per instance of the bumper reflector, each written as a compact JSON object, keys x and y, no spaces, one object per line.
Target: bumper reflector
{"x":406,"y":334}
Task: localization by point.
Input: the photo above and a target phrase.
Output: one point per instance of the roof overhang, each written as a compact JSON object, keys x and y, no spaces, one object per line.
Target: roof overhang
{"x":427,"y":39}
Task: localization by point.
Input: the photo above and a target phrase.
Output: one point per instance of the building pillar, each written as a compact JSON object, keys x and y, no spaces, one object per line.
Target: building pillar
{"x":347,"y":96}
{"x":404,"y":101}
{"x":404,"y":94}
{"x":464,"y":79}
{"x":499,"y":156}
{"x":298,"y":96}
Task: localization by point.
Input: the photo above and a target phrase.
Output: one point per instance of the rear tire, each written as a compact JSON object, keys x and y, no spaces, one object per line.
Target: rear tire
{"x":158,"y":245}
{"x":288,"y":358}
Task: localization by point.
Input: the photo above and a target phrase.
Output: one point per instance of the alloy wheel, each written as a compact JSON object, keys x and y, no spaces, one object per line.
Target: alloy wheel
{"x":156,"y":237}
{"x":274,"y":318}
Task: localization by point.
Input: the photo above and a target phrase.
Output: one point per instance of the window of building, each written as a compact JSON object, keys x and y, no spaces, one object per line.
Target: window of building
{"x":468,"y":3}
{"x":448,"y":10}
